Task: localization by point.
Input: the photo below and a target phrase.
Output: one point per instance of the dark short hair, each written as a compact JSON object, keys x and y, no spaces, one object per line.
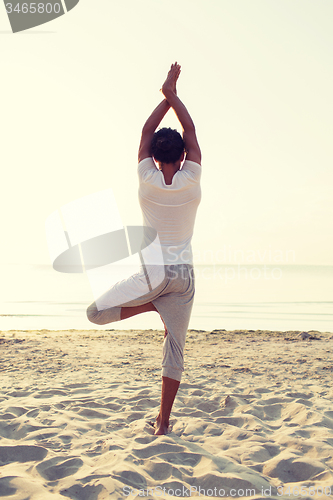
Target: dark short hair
{"x":167,"y":145}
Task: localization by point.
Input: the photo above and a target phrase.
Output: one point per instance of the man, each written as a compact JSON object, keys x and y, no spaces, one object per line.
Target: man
{"x":169,"y":197}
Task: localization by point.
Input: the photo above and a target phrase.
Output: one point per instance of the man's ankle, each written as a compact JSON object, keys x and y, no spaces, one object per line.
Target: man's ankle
{"x":163,"y":423}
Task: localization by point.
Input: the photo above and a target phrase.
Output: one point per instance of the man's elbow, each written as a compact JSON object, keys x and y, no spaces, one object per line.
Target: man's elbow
{"x":189,"y":128}
{"x":147,"y":129}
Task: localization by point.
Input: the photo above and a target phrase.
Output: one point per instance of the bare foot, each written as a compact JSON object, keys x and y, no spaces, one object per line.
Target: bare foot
{"x":161,"y":430}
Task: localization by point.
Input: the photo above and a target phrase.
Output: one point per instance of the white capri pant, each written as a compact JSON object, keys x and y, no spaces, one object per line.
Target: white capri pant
{"x":173,"y":299}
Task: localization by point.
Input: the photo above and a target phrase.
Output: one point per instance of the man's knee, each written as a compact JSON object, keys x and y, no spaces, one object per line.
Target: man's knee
{"x":104,"y":316}
{"x":93,"y":314}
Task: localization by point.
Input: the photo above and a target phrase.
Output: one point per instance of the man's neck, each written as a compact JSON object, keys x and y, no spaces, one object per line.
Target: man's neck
{"x":169,"y":170}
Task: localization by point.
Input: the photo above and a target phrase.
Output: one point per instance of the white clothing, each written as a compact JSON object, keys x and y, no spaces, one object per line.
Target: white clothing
{"x":171,"y":209}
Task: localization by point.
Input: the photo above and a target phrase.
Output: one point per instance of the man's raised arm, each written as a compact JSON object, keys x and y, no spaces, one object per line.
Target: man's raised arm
{"x":193,"y":152}
{"x":149,"y":128}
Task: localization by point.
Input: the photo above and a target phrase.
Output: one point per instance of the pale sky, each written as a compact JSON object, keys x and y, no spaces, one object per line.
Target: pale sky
{"x":256,"y":78}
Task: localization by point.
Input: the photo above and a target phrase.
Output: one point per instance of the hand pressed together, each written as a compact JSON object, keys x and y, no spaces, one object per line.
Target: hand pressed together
{"x":170,"y":83}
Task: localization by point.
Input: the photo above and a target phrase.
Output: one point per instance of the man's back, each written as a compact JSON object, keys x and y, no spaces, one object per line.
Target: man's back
{"x":171,"y":208}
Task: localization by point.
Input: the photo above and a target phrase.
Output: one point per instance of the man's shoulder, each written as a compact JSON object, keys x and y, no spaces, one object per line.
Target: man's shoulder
{"x":146,"y":163}
{"x":192,"y":168}
{"x":146,"y":167}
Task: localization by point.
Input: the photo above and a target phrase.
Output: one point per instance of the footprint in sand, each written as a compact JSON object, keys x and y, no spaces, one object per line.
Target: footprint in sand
{"x":208,"y":406}
{"x":78,"y":492}
{"x":90,"y":413}
{"x":135,"y":416}
{"x":50,"y":394}
{"x":158,"y":471}
{"x":33,"y":413}
{"x":6,"y":488}
{"x":185,"y":459}
{"x":157,"y":449}
{"x":59,"y":467}
{"x":272,"y":411}
{"x":18,"y":431}
{"x":228,"y":482}
{"x":131,"y":478}
{"x":75,"y":386}
{"x":19,"y":394}
{"x":17,"y":410}
{"x":292,"y":469}
{"x":10,"y":454}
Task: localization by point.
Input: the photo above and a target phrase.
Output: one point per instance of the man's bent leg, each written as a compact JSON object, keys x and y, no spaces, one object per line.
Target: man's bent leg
{"x":128,"y":312}
{"x":104,"y":316}
{"x":169,"y":391}
{"x":117,"y":313}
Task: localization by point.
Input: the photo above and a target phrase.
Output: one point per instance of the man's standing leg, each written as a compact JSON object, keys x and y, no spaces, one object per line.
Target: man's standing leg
{"x":169,"y":391}
{"x":175,"y":307}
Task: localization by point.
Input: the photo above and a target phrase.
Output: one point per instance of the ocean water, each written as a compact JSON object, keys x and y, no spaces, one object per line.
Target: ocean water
{"x":283,"y":298}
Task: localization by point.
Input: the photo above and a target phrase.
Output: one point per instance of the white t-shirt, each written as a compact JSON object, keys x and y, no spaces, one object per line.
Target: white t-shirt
{"x":171,"y":209}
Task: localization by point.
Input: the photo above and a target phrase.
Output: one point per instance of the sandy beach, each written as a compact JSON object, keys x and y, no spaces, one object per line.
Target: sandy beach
{"x":253,"y":416}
